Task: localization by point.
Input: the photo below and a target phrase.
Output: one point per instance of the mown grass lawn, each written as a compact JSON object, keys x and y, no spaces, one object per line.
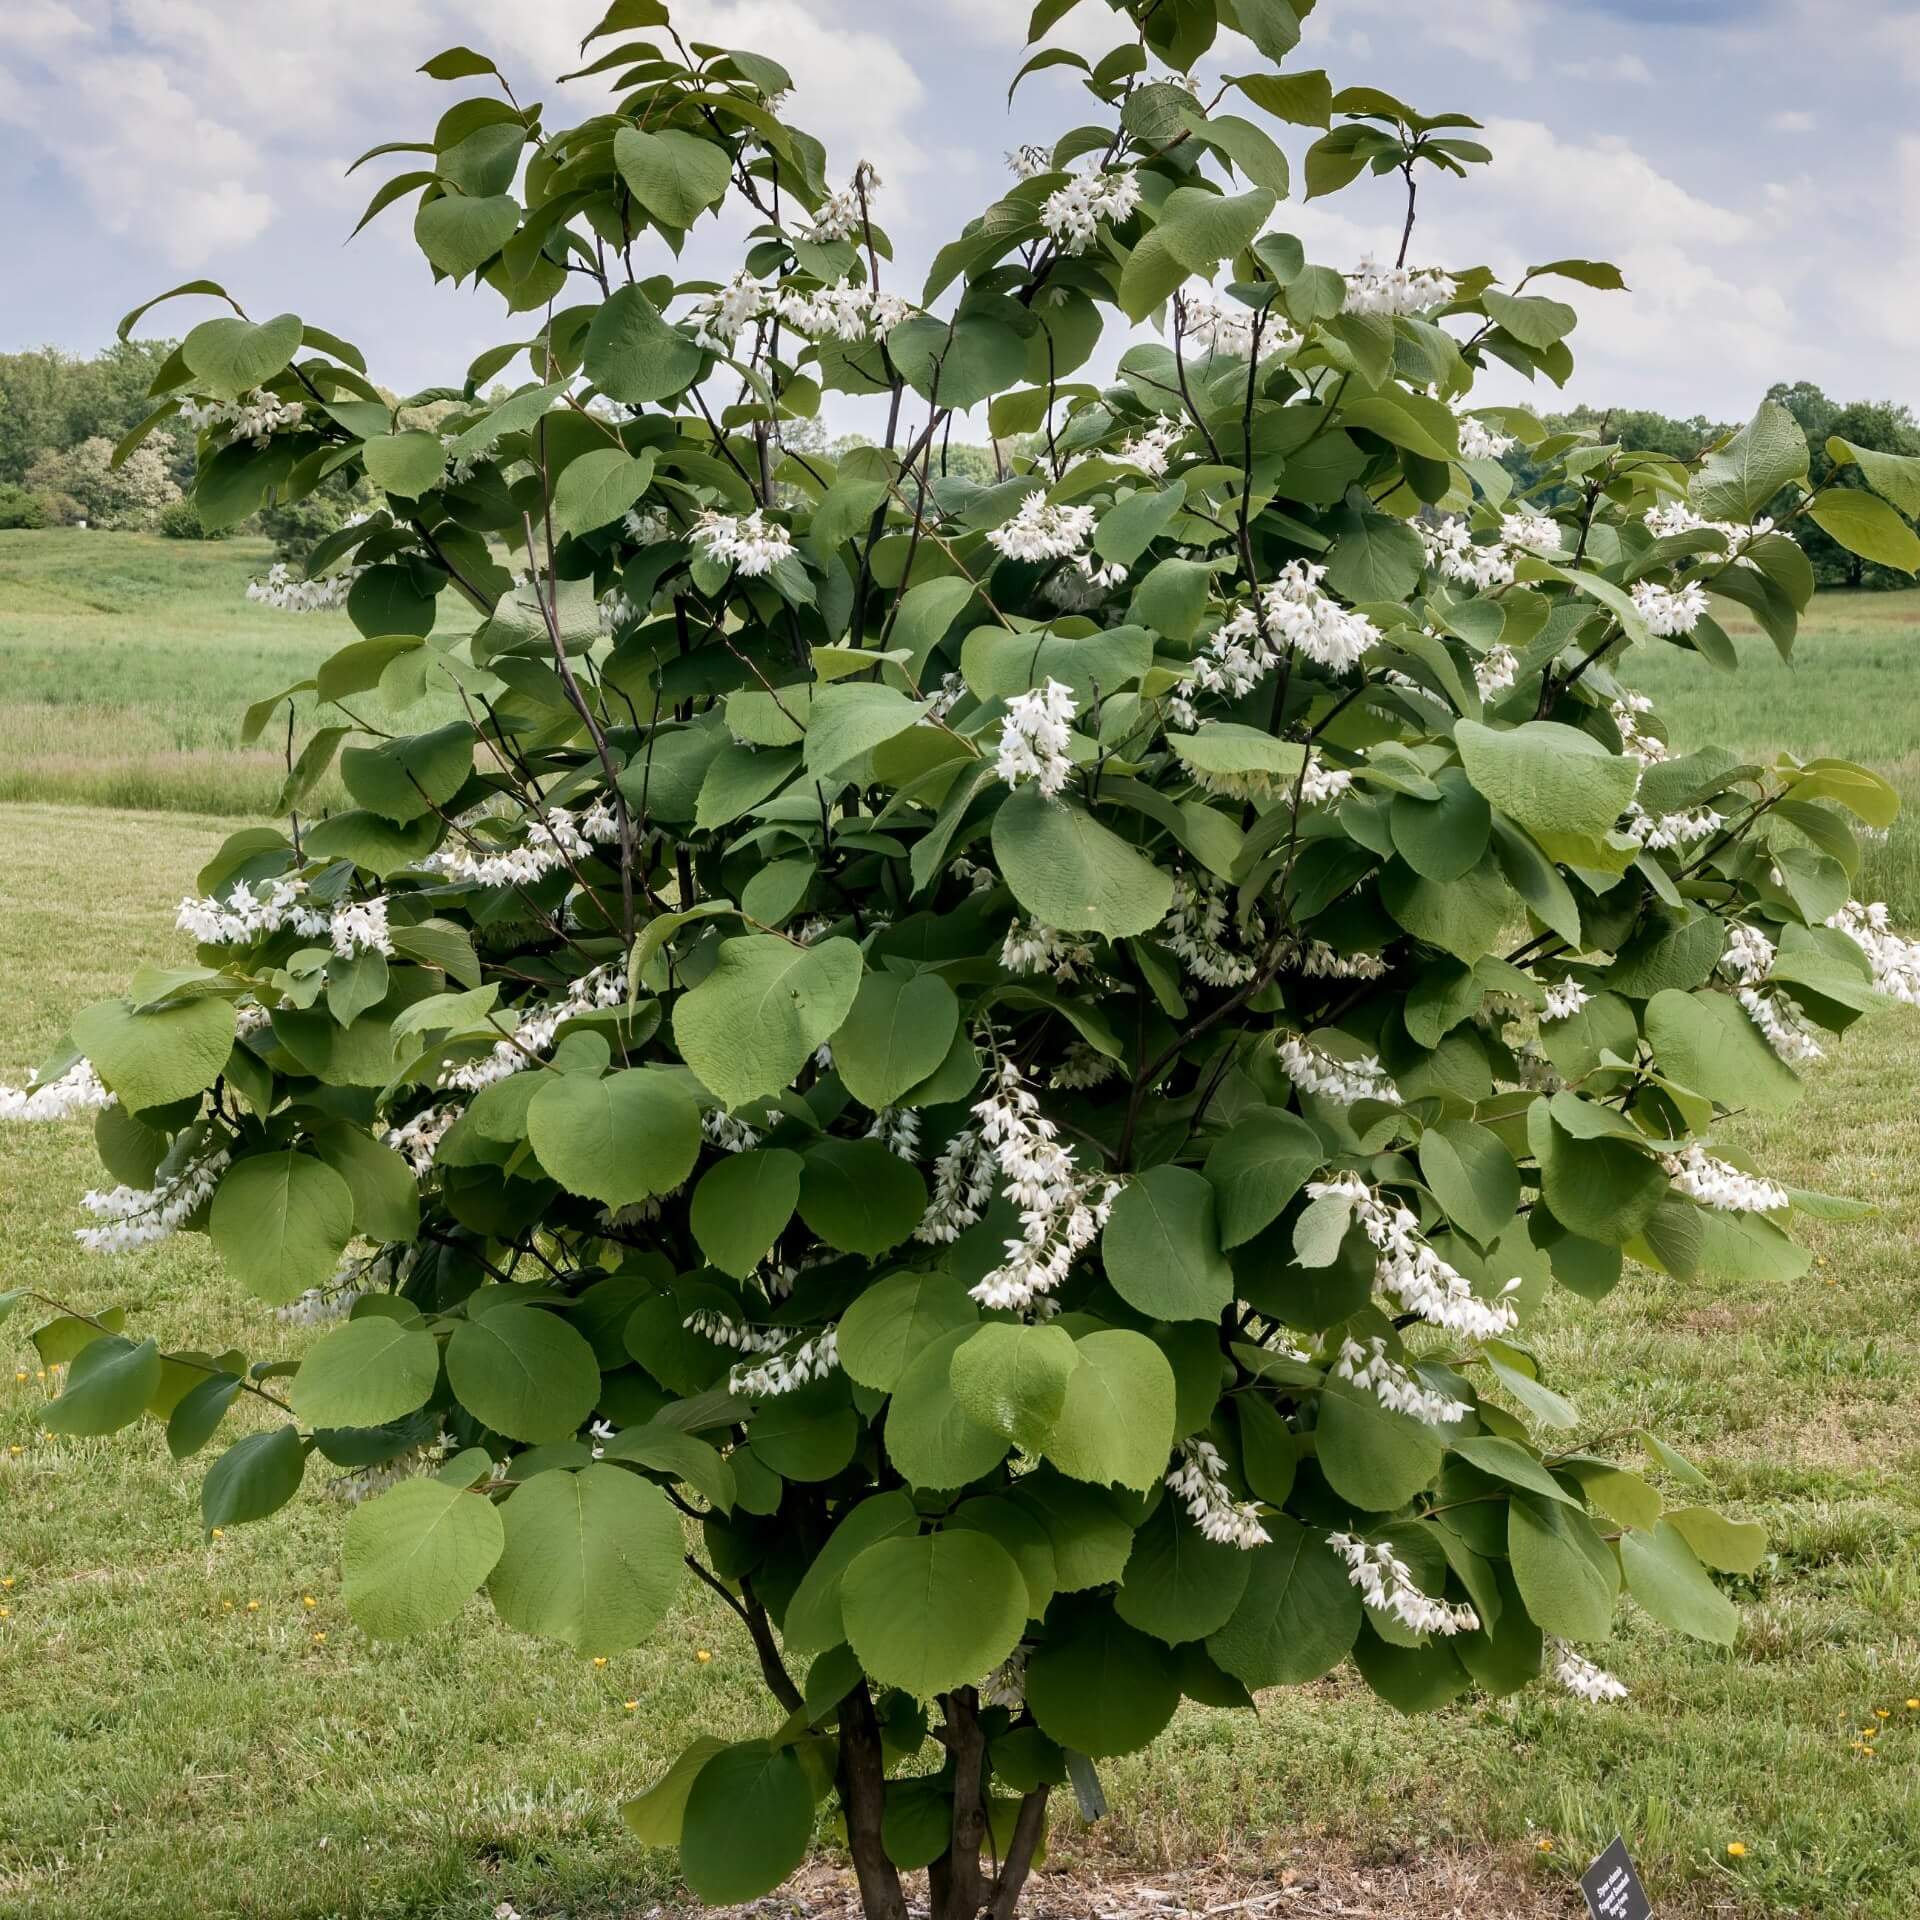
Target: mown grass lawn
{"x":175,"y":1739}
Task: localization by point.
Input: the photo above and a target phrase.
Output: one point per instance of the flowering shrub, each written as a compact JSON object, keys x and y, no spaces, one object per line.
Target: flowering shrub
{"x":996,"y":1069}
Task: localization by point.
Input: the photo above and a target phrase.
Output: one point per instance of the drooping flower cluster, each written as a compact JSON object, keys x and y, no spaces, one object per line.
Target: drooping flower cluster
{"x":1531,"y":531}
{"x":1478,"y":441}
{"x":1034,"y":738}
{"x":1660,"y":832}
{"x":1072,"y":214}
{"x":1061,"y":1209}
{"x":1407,"y":1269}
{"x":289,"y":592}
{"x":1041,"y":531}
{"x":248,"y":914}
{"x":1582,"y":1678}
{"x":1235,"y":331}
{"x":727,"y":1133}
{"x":1372,"y":288}
{"x":1320,"y":783}
{"x":787,"y":1370}
{"x":1894,"y":959}
{"x":1314,"y":1070}
{"x":648,"y":527}
{"x":1748,"y":958}
{"x":1783,"y":1023}
{"x":138,"y":1217}
{"x":750,"y":543}
{"x":1714,"y":1183}
{"x":1082,"y":1067}
{"x":533,"y":1038}
{"x":1374,"y":1370}
{"x":1386,"y":1582}
{"x":843,"y":311}
{"x":1678,"y":517}
{"x":418,"y":1139}
{"x":1495,"y":671}
{"x":555,"y":838}
{"x":962,"y":1189}
{"x":1294,"y":614}
{"x":1323,"y":962}
{"x":1456,"y":556}
{"x":1199,"y":1477}
{"x":1028,"y":162}
{"x":1198,"y":930}
{"x":1669,"y":611}
{"x":254,"y":416}
{"x":1565,"y":998}
{"x":898,"y":1130}
{"x":1037,"y":949}
{"x":1635,"y":742}
{"x":839,"y":216}
{"x":78,"y":1090}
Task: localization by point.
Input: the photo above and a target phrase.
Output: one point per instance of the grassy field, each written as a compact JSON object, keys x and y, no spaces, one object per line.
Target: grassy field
{"x":175,"y":1736}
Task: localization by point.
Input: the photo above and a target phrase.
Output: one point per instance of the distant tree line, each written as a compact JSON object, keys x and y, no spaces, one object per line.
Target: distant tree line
{"x":61,"y":413}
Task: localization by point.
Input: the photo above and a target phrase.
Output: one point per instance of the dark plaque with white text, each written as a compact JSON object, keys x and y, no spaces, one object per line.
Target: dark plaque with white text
{"x":1612,"y":1887}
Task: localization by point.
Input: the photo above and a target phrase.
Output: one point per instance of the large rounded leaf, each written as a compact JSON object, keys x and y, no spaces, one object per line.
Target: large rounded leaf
{"x":1562,"y":1567}
{"x":256,"y":1476}
{"x":1707,"y":1043}
{"x":1013,"y":1379}
{"x":592,"y":1558}
{"x":860,"y":1196}
{"x":1102,"y":1686}
{"x":751,"y":1024}
{"x":898,"y":1032}
{"x":413,"y":1556}
{"x":366,"y":1373}
{"x":742,"y":1205}
{"x":1551,"y":779}
{"x":815,"y":1620}
{"x":234,"y":356}
{"x":884,"y":1330}
{"x":1070,"y":872}
{"x":1373,"y":1458}
{"x":281,"y":1221}
{"x":108,"y":1386}
{"x":152,"y":1059}
{"x":1257,"y":1166}
{"x":1665,"y":1575}
{"x":747,"y":1823}
{"x":523,"y":1373}
{"x":931,"y":1438}
{"x":633,"y":356}
{"x":1161,"y":1247}
{"x":1179,"y":1585}
{"x":1116,"y":1424}
{"x":934,"y":1611}
{"x":615,"y":1140}
{"x":1298,"y":1616}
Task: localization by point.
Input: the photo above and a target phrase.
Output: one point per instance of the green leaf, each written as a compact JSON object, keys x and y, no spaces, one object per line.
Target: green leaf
{"x":197,"y":1414}
{"x":1549,"y":778}
{"x":1102,"y":1687}
{"x":235,"y":356}
{"x":1070,"y":872}
{"x":850,"y":720}
{"x":1864,"y":524}
{"x":366,"y":1373}
{"x":1472,"y":1176}
{"x":406,"y":778}
{"x":108,"y":1386}
{"x":897,"y":1033}
{"x":859,"y":1196}
{"x":815,"y":1620}
{"x":1508,"y":1460}
{"x":667,"y":1450}
{"x":1894,"y":476}
{"x":153,"y":1059}
{"x":1161,"y":1246}
{"x":675,"y":175}
{"x":591,"y":1559}
{"x":1257,"y":1166}
{"x":1734,"y":1546}
{"x":632,"y":355}
{"x":408,"y":464}
{"x":930,"y":1437}
{"x":1126,"y":531}
{"x":280,"y":1222}
{"x":1603,"y":1188}
{"x":1298,"y":1617}
{"x":742,"y":1205}
{"x":657,"y":1814}
{"x":1251,"y":148}
{"x":523,"y":1372}
{"x":933,"y":1611}
{"x":1116,"y":1425}
{"x":1532,"y":320}
{"x":599,"y":487}
{"x":1666,"y":1577}
{"x":1707,"y":1043}
{"x":1373,"y":1459}
{"x":1442,"y":839}
{"x":748,"y":1820}
{"x":1565,"y":1574}
{"x":1013,"y":1379}
{"x":1200,"y":228}
{"x":618,"y":1139}
{"x":256,"y":1476}
{"x":888,"y":1326}
{"x":460,"y":233}
{"x":414,"y":1556}
{"x":1179,"y":1585}
{"x":752,"y":1023}
{"x":1736,"y":481}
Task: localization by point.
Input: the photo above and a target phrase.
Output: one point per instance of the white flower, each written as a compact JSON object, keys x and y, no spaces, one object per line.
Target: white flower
{"x":1149,"y":448}
{"x":554,"y":838}
{"x":137,"y":1217}
{"x":1677,"y":517}
{"x":1315,"y":1071}
{"x":1396,"y":1389}
{"x":1072,"y":214}
{"x":1894,"y":959}
{"x":1565,"y":998}
{"x":247,"y":914}
{"x":1535,"y":532}
{"x":418,"y":1139}
{"x":898,"y":1130}
{"x":1081,"y":1067}
{"x":1322,"y":962}
{"x":1199,"y":1476}
{"x":1749,"y":955}
{"x":838,"y":217}
{"x":1581,"y":1677}
{"x":253,"y":417}
{"x":1229,"y":330}
{"x":1293,"y":614}
{"x":1030,"y":161}
{"x":1196,"y":929}
{"x":537,"y":1030}
{"x":78,"y":1090}
{"x":962,"y":1188}
{"x":1373,"y":288}
{"x":1478,"y":441}
{"x":1783,"y":1023}
{"x":1451,"y":552}
{"x":1041,"y":531}
{"x":1386,"y":1582}
{"x":360,"y":926}
{"x":1669,"y":610}
{"x":750,"y":543}
{"x":650,"y":528}
{"x":1034,"y":738}
{"x":1715,"y":1183}
{"x":288,"y":592}
{"x":1647,"y":748}
{"x":788,"y":1369}
{"x":1495,"y":671}
{"x":1659,"y":833}
{"x":1006,"y":1685}
{"x":1321,"y":783}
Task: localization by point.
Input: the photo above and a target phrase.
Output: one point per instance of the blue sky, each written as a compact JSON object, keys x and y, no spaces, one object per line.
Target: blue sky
{"x":1753,"y":167}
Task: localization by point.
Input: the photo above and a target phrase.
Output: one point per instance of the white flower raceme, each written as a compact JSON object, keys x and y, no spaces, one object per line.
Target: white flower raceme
{"x":360,"y":926}
{"x":1678,"y":517}
{"x":1041,"y":531}
{"x":1715,"y":1183}
{"x":1452,"y":552}
{"x":1006,"y":1685}
{"x":1149,"y":448}
{"x":1029,"y":161}
{"x":750,"y":543}
{"x":1034,"y":738}
{"x":1037,"y":949}
{"x":1322,"y":962}
{"x":898,"y":1130}
{"x":1376,"y":1372}
{"x":1626,"y":713}
{"x":727,"y":1133}
{"x":1565,"y":998}
{"x":838,"y":216}
{"x":1072,"y":214}
{"x":1783,"y":1024}
{"x":1669,"y":611}
{"x":1199,"y":1476}
{"x":1532,"y":531}
{"x":650,"y":527}
{"x":1372,"y":288}
{"x":792,"y":1367}
{"x":1198,"y":930}
{"x":1321,"y":783}
{"x":1749,"y":955}
{"x":534,"y":1036}
{"x":254,"y":416}
{"x":137,"y":1217}
{"x":417,"y":1140}
{"x":1230,"y":330}
{"x":1386,"y":1582}
{"x":78,"y":1090}
{"x":1293,"y":614}
{"x":1061,"y":1209}
{"x":288,"y":592}
{"x":1082,"y":1067}
{"x":1495,"y":671}
{"x":554,"y":838}
{"x":249,"y":914}
{"x":843,"y":311}
{"x":1894,"y":959}
{"x":1583,"y":1679}
{"x":1660,"y":832}
{"x":1314,"y":1070}
{"x":1407,"y":1268}
{"x":962,"y":1188}
{"x":1478,"y":441}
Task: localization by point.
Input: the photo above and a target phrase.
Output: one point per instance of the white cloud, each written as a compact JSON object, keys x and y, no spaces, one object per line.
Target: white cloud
{"x":1792,"y":120}
{"x":1624,"y":69}
{"x":1498,"y":33}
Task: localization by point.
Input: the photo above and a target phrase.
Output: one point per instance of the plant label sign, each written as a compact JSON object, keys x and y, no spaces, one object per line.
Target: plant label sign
{"x":1613,"y":1888}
